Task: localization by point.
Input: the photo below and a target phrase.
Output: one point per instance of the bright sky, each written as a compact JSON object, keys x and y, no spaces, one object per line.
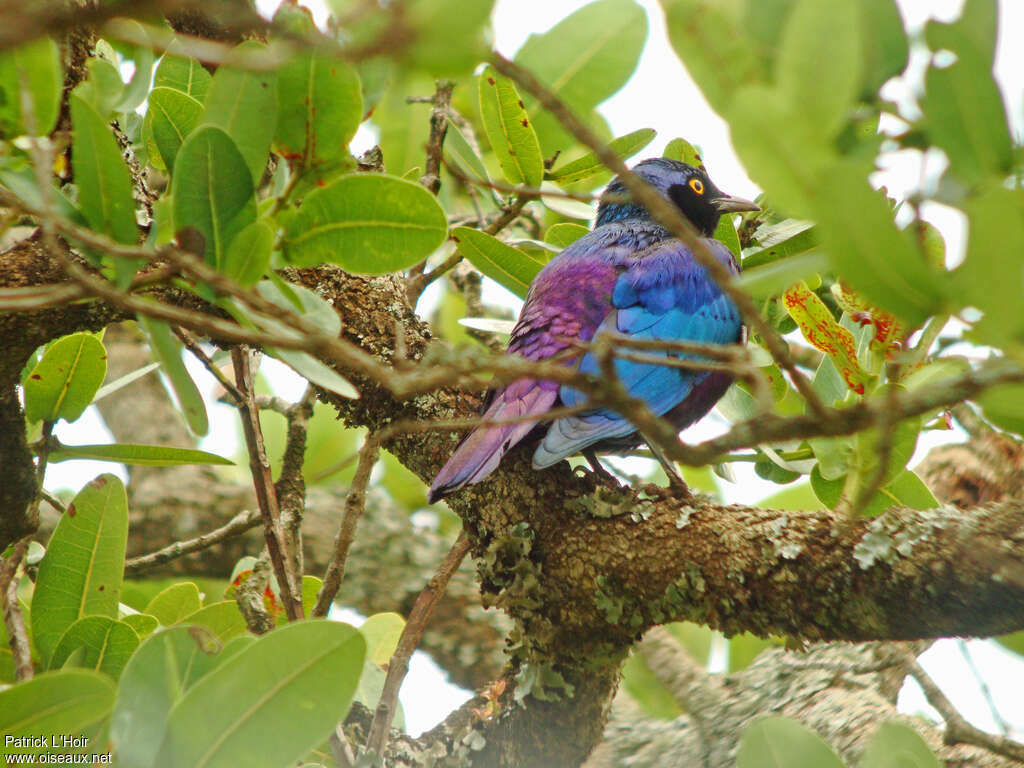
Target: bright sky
{"x":661,"y":96}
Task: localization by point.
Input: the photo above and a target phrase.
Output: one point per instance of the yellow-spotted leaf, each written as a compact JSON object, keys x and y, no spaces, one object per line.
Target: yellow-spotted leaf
{"x":823,"y":332}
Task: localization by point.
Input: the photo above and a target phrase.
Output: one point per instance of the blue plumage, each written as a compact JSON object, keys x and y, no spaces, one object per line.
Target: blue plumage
{"x":628,"y":275}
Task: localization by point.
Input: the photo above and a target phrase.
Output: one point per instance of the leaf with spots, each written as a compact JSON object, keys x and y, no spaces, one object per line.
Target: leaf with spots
{"x":509,"y":130}
{"x":824,"y":333}
{"x":81,"y":573}
{"x":65,"y":380}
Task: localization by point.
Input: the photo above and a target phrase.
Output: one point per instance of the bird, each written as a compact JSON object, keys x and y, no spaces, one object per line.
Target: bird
{"x":628,"y":275}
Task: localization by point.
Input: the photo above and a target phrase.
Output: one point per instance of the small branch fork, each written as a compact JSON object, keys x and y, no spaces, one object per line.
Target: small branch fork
{"x":958,"y":730}
{"x":266,"y":494}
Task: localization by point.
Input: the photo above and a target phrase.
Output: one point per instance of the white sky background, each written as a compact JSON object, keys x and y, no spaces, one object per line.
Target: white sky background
{"x":661,"y":95}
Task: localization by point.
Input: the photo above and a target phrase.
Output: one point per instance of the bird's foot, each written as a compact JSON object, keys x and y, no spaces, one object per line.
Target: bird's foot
{"x":676,"y":490}
{"x":601,"y":475}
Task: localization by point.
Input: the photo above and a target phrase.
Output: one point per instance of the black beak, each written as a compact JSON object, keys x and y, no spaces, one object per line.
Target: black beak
{"x":729,"y":204}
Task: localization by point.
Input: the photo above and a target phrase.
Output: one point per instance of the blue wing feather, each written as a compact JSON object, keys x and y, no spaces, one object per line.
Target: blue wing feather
{"x":665,"y":295}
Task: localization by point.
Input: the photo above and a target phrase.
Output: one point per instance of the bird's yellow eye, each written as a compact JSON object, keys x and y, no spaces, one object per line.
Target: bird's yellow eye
{"x":697,"y":186}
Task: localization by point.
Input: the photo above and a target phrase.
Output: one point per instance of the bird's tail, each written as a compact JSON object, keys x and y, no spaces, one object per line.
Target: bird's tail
{"x":482,"y":449}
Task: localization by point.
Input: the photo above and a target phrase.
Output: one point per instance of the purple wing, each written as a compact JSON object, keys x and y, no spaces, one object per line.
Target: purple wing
{"x":567,"y":301}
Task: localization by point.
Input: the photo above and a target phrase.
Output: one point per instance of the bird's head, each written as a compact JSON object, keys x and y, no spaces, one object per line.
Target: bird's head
{"x":688,"y":187}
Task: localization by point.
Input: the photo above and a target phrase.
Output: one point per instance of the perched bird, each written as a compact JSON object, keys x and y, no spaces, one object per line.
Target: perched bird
{"x":628,"y":275}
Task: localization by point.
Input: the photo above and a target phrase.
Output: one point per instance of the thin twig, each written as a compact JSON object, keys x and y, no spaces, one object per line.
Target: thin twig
{"x":355,"y":502}
{"x":669,"y":216}
{"x":236,"y":526}
{"x":14,"y":620}
{"x":986,"y":692}
{"x":958,"y":730}
{"x":197,"y":351}
{"x":266,"y":494}
{"x":408,"y":641}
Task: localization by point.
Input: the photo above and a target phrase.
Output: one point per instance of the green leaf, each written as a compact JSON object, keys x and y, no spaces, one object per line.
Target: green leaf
{"x":709,"y":36}
{"x":243,"y":104}
{"x":40,"y":65}
{"x":381,"y":632}
{"x":141,"y":56}
{"x":449,"y":35}
{"x":725,"y":233}
{"x":82,"y":570}
{"x":995,"y":246}
{"x":104,"y":186}
{"x":182,"y":74}
{"x":138,"y":455}
{"x":791,"y":237}
{"x":107,"y":645}
{"x":1004,"y":407}
{"x":781,"y":742}
{"x":897,"y":745}
{"x":167,"y":349}
{"x":64,"y":382}
{"x":884,"y":46}
{"x":564,"y":233}
{"x":170,"y":118}
{"x":143,"y":624}
{"x":62,"y":702}
{"x":776,"y":276}
{"x":123,"y":381}
{"x":212,"y":190}
{"x":502,"y":263}
{"x":584,"y":59}
{"x":321,"y":106}
{"x":311,"y":586}
{"x":865,"y":247}
{"x":779,"y":148}
{"x":303,"y":673}
{"x":683,"y":151}
{"x":103,"y":87}
{"x":589,"y":165}
{"x":964,"y":116}
{"x":248,"y":257}
{"x":366,"y":223}
{"x":165,"y":666}
{"x":223,"y":619}
{"x":818,"y":69}
{"x":509,"y":130}
{"x":174,"y":604}
{"x":459,"y":150}
{"x":291,"y":297}
{"x":317,"y":372}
